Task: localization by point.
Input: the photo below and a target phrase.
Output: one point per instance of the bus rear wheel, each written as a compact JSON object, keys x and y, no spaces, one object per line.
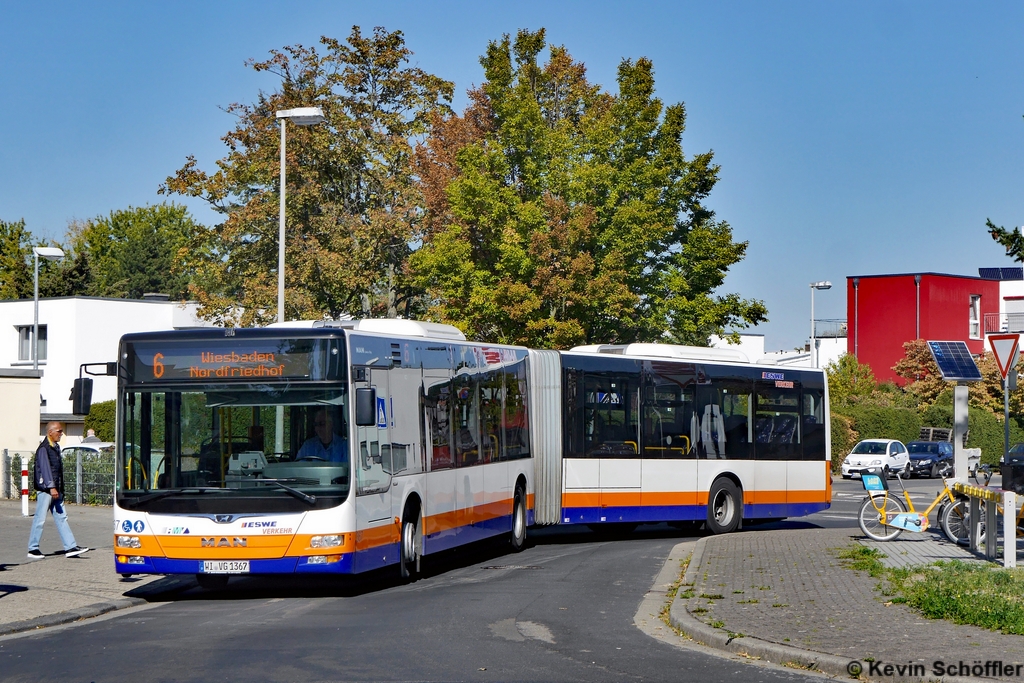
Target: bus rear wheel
{"x":724,"y":511}
{"x":518,"y":537}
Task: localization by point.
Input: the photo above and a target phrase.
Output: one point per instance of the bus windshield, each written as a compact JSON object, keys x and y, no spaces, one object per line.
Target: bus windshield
{"x":257,"y":442}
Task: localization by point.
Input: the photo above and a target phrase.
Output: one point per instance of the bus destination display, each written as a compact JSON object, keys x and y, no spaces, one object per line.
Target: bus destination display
{"x":272,"y":360}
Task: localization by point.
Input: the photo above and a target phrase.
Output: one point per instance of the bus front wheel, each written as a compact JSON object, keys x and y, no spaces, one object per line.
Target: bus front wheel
{"x":409,"y":564}
{"x":724,"y":509}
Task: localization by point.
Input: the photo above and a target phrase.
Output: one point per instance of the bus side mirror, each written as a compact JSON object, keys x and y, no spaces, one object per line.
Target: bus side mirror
{"x":81,"y":396}
{"x":366,"y":407}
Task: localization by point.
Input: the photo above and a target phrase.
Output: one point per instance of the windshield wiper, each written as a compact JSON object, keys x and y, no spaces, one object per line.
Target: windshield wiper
{"x":170,"y":492}
{"x":306,"y":497}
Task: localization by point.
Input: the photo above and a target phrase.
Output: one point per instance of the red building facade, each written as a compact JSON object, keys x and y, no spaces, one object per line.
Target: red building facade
{"x":885,"y":311}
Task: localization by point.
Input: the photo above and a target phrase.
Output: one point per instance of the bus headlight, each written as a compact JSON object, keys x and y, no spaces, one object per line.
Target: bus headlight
{"x":129,"y":542}
{"x":326,"y":541}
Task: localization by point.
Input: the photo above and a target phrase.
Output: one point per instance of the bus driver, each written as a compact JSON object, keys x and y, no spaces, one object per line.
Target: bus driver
{"x":325,"y":444}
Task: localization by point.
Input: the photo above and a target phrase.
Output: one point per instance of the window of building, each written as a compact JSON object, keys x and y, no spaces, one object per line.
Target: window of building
{"x":25,"y":342}
{"x":975,"y":321}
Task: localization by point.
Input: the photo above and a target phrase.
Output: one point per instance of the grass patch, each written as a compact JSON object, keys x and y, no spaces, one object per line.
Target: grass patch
{"x":751,"y":601}
{"x":964,"y":593}
{"x":862,"y":558}
{"x":712,"y":596}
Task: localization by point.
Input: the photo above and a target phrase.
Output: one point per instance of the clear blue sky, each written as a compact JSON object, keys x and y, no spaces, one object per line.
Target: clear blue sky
{"x":854,"y":137}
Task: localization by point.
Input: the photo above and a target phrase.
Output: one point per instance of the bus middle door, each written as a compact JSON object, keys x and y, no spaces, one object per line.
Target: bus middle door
{"x":377,"y":534}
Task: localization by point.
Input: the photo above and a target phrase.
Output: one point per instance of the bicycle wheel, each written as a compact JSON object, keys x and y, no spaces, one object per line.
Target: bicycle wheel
{"x":956,"y":523}
{"x":871,"y":522}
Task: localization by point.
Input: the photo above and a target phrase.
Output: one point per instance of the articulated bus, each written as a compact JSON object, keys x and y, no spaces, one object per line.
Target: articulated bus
{"x":347,"y":447}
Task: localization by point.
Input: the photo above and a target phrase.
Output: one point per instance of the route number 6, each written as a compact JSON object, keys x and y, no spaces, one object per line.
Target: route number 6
{"x":158,"y":367}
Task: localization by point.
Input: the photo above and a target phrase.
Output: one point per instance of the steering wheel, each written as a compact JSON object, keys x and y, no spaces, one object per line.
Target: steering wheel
{"x":312,"y":457}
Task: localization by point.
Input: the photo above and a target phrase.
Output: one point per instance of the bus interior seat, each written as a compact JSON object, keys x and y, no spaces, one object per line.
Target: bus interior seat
{"x":784,"y":429}
{"x":763,"y":430}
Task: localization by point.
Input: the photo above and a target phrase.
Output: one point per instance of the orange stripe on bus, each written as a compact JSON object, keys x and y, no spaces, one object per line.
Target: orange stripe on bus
{"x":828,"y":481}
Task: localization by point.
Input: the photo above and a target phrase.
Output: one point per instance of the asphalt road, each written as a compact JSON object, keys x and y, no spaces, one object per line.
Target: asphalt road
{"x":562,"y":610}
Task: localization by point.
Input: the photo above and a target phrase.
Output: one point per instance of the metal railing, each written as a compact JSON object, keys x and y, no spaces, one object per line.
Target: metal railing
{"x":830,"y":328}
{"x":88,"y":477}
{"x":1004,"y":322}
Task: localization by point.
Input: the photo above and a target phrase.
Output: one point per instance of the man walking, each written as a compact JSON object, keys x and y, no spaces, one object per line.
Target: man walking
{"x":48,"y":477}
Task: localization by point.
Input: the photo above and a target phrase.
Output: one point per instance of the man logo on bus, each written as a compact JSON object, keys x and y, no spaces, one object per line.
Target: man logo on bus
{"x":223,"y":542}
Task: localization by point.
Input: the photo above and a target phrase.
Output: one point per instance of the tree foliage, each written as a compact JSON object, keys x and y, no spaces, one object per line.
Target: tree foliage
{"x":15,"y":260}
{"x":1011,"y":240}
{"x":136,"y":250}
{"x":849,"y":379}
{"x":122,"y":255}
{"x":352,"y":208}
{"x":559,"y":214}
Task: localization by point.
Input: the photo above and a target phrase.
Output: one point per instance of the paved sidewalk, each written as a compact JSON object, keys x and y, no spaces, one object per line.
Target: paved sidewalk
{"x":783,"y":595}
{"x":57,"y":589}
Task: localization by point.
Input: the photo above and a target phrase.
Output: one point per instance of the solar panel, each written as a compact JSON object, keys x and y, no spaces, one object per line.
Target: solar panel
{"x":955,"y":361}
{"x":990,"y":273}
{"x":1012,"y":273}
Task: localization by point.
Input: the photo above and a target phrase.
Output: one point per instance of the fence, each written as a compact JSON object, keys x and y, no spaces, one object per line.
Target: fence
{"x":88,"y":475}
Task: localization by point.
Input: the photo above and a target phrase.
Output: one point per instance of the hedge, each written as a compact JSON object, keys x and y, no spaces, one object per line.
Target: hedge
{"x":843,"y":439}
{"x":101,"y":418}
{"x":986,"y":430}
{"x":873,"y":422}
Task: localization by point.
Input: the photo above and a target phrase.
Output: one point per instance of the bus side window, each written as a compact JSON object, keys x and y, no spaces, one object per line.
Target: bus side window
{"x":778,"y":423}
{"x":813,"y":423}
{"x":668,"y":414}
{"x":611,"y":415}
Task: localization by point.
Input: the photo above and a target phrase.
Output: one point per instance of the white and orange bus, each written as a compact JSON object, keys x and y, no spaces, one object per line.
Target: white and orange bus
{"x":346,"y":447}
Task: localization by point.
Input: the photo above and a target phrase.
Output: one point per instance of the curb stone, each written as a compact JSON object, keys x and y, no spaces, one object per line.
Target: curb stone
{"x":775,"y":653}
{"x":93,"y":610}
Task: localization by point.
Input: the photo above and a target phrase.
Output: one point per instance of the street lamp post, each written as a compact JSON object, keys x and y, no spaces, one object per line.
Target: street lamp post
{"x":50,"y":254}
{"x":303,"y":116}
{"x":823,"y":284}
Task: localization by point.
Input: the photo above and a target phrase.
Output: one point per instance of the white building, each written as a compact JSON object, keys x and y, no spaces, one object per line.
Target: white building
{"x":77,"y":330}
{"x":830,"y":348}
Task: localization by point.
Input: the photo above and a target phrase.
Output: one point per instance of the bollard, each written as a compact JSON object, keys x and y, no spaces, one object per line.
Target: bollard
{"x":24,"y":487}
{"x":991,"y":530}
{"x":78,"y":476}
{"x":1009,"y":529}
{"x":5,"y":476}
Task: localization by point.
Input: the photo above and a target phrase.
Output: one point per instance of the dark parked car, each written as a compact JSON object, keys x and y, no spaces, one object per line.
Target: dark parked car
{"x":930,"y":458}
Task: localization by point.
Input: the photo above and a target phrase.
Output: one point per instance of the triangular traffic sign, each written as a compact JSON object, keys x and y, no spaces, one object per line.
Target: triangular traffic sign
{"x":1004,"y":348}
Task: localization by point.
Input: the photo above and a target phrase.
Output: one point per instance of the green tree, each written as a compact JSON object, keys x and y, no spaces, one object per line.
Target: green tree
{"x":848,"y":379}
{"x":15,"y":260}
{"x":353,"y":210}
{"x":136,"y":250}
{"x":1012,"y":240}
{"x":72,"y":275}
{"x":559,"y":214}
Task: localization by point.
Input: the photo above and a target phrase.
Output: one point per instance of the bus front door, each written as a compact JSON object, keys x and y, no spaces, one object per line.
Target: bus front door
{"x":377,"y":533}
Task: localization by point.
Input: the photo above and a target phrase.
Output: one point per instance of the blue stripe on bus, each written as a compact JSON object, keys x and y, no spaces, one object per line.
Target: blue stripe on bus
{"x":284,"y":565}
{"x":450,"y":538}
{"x":672,"y":513}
